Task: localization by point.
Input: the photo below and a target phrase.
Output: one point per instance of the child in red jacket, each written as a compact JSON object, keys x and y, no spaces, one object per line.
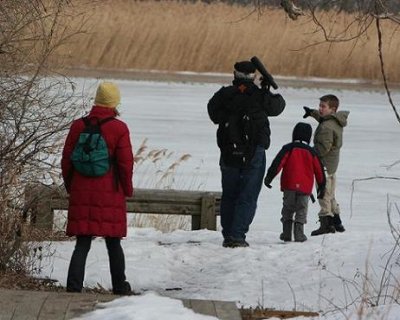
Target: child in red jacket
{"x":299,"y":164}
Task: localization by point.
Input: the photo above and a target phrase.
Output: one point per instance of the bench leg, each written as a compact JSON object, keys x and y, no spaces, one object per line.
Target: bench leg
{"x":208,"y":219}
{"x":195,"y":222}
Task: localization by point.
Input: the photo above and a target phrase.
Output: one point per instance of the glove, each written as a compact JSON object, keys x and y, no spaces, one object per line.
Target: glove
{"x":320,"y":193}
{"x":307,"y":111}
{"x":264,"y":83}
{"x":267,"y":182}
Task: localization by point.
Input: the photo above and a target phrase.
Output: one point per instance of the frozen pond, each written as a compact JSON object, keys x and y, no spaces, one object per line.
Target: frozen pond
{"x":174,"y":116}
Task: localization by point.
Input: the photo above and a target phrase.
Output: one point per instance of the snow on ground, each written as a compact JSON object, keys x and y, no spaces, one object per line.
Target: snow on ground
{"x":323,"y":274}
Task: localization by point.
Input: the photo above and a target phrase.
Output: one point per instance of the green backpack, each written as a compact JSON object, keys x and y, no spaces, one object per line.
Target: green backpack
{"x":90,"y":156}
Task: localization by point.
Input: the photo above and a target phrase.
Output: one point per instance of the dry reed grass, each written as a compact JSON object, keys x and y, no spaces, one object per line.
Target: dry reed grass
{"x":174,"y":36}
{"x":158,"y":168}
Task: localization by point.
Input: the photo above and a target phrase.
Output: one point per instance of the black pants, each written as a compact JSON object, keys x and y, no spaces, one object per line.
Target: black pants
{"x":76,"y":271}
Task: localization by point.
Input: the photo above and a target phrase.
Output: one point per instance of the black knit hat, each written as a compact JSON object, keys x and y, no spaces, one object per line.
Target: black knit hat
{"x":302,"y":132}
{"x":245,"y":67}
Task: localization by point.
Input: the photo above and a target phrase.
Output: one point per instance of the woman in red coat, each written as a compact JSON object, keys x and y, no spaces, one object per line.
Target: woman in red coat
{"x":97,"y":205}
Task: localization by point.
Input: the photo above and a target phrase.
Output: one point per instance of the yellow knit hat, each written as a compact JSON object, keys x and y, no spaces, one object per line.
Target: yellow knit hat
{"x":107,"y":95}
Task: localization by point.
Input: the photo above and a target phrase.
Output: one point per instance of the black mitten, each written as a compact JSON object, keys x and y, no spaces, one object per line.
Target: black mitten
{"x":320,"y":193}
{"x":267,"y":182}
{"x":307,"y":111}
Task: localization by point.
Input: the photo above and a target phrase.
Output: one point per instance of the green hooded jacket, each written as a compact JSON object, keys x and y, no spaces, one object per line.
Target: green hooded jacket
{"x":328,"y":138}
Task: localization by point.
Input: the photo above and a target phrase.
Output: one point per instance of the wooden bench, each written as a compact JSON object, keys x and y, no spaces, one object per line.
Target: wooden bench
{"x":202,"y":206}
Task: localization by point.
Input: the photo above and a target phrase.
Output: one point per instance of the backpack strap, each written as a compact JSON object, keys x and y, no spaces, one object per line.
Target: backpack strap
{"x":102,"y":121}
{"x":113,"y":160}
{"x":87,"y":122}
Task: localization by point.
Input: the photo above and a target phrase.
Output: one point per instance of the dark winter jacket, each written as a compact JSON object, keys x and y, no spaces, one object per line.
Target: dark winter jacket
{"x":328,"y":138}
{"x":97,"y":205}
{"x":299,"y":164}
{"x":245,"y":94}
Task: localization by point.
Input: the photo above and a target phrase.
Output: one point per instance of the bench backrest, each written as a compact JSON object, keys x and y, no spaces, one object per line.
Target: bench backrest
{"x":202,"y":206}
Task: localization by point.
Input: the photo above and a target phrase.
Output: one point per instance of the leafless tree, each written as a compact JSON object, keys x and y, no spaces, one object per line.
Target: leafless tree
{"x":365,"y":16}
{"x":36,"y":107}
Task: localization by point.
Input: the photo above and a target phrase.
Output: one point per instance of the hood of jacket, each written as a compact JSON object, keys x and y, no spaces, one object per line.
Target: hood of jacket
{"x":340,"y":117}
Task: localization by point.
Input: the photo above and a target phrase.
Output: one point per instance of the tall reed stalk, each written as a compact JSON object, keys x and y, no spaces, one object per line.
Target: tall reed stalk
{"x":176,"y":36}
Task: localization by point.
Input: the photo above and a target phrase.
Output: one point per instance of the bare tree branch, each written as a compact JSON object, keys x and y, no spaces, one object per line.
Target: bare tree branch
{"x":385,"y":83}
{"x":364,"y":16}
{"x":36,"y":109}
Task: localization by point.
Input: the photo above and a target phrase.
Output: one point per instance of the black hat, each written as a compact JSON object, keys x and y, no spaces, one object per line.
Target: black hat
{"x":302,"y":132}
{"x":245,"y":67}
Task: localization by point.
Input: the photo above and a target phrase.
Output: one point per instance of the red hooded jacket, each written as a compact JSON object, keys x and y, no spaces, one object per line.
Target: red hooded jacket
{"x":97,"y":205}
{"x":299,"y":164}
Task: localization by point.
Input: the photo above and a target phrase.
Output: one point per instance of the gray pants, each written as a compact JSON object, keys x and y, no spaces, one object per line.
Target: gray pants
{"x":295,"y":202}
{"x":328,"y":204}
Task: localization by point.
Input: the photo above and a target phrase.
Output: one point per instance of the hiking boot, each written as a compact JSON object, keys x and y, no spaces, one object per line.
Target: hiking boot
{"x":239,"y":244}
{"x":299,"y":235}
{"x":236,"y":243}
{"x":337,"y":222}
{"x":286,"y":235}
{"x":124,"y":290}
{"x":325,"y":227}
{"x":227,"y":242}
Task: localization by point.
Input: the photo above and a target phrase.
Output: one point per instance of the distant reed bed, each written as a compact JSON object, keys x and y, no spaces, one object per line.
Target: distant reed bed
{"x":175,"y":36}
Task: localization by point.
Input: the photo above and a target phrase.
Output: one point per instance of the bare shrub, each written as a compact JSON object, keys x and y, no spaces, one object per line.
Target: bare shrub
{"x":36,"y":107}
{"x":375,"y":285}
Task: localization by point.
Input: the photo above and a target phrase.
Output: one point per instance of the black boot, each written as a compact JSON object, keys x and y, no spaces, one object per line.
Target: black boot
{"x":337,"y":222}
{"x":299,"y":235}
{"x":286,"y":235}
{"x":227,"y":242}
{"x":325,"y":227}
{"x":124,"y":289}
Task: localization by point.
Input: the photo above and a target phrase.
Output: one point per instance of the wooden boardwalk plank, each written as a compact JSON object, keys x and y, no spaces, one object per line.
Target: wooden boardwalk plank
{"x":227,"y":310}
{"x":7,"y":306}
{"x":203,"y":307}
{"x":28,"y":306}
{"x":6,"y":310}
{"x":18,"y":305}
{"x":80,"y":304}
{"x":55,"y":307}
{"x":40,"y":305}
{"x":187,"y":303}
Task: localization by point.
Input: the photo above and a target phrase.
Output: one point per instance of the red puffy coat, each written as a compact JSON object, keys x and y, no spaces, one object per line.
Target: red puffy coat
{"x":299,"y":164}
{"x":97,"y":205}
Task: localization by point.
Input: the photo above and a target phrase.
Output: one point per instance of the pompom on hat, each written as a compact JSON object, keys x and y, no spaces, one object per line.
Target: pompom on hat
{"x":107,"y":95}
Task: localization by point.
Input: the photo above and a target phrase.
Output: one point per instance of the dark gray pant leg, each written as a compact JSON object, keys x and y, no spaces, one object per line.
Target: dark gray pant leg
{"x":76,"y":270}
{"x":117,"y":263}
{"x":301,"y":208}
{"x":289,"y":205}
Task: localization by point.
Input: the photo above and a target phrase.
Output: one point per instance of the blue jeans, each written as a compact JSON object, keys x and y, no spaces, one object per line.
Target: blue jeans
{"x":240,"y":190}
